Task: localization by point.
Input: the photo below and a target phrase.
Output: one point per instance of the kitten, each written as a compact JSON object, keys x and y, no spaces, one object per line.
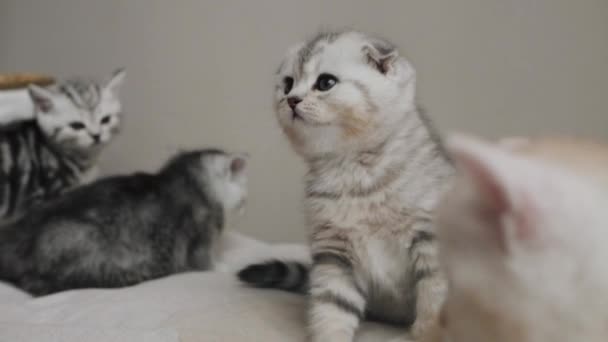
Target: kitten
{"x":123,"y":230}
{"x":57,"y":150}
{"x":376,"y":170}
{"x":523,"y":242}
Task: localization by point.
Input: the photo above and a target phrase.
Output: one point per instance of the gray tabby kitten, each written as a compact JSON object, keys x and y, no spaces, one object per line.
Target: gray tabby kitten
{"x":376,"y":171}
{"x":57,"y":150}
{"x":123,"y":230}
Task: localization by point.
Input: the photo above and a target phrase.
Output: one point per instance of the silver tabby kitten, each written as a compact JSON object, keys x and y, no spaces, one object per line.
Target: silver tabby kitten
{"x":376,"y":171}
{"x":58,"y":150}
{"x":122,"y":230}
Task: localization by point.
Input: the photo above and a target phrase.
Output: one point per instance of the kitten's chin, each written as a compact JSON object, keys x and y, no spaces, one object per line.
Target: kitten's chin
{"x":292,"y":118}
{"x":93,"y":148}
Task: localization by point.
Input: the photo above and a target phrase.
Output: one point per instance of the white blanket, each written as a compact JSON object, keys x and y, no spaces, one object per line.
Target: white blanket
{"x":15,"y":105}
{"x":203,"y":306}
{"x":191,"y":307}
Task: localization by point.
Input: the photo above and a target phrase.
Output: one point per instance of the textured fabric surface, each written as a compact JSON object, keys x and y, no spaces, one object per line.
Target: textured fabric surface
{"x":205,"y":306}
{"x":15,"y":105}
{"x":63,"y":333}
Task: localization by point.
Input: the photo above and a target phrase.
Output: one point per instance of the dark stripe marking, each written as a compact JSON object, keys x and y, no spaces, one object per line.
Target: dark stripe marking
{"x":340,"y":302}
{"x":325,"y":258}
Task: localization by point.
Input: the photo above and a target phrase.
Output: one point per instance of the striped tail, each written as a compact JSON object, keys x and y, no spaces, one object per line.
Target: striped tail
{"x":291,"y":276}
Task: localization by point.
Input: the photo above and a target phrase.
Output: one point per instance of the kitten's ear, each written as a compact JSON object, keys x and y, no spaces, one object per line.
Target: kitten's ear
{"x":381,"y":55}
{"x":115,"y":83}
{"x":238,"y":163}
{"x":41,"y":97}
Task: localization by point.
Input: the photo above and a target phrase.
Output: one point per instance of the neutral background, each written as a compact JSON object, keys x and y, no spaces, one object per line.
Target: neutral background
{"x":200,"y":72}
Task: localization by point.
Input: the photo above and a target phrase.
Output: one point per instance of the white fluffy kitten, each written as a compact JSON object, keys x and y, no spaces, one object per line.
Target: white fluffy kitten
{"x":523,"y":240}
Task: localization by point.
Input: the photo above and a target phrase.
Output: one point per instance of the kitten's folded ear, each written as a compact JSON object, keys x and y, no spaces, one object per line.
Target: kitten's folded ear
{"x":381,"y":55}
{"x":114,"y":84}
{"x":41,"y":97}
{"x":238,"y":163}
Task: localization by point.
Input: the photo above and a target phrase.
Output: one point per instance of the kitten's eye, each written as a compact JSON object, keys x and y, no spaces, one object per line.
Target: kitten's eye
{"x":77,"y":125}
{"x":105,"y":120}
{"x":325,"y":82}
{"x":287,"y":84}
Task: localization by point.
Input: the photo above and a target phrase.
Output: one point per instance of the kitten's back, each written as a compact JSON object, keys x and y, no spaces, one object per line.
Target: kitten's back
{"x":586,"y":158}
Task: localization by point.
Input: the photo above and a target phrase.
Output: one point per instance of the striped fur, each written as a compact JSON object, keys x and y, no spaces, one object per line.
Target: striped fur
{"x":42,"y":158}
{"x":122,"y":230}
{"x":376,"y":171}
{"x":32,"y":172}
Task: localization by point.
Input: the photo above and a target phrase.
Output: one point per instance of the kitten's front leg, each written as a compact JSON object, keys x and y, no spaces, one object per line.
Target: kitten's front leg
{"x":431,"y":332}
{"x":431,"y":285}
{"x":337,"y":305}
{"x":430,"y":291}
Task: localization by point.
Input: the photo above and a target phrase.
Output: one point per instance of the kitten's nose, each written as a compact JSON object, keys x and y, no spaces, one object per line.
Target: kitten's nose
{"x":96,"y":137}
{"x":293,"y":101}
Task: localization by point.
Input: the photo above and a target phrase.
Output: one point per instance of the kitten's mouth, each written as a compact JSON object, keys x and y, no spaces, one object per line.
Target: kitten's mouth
{"x":295,"y":116}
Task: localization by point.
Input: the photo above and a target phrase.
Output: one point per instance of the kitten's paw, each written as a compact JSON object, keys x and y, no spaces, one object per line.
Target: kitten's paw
{"x":420,"y":329}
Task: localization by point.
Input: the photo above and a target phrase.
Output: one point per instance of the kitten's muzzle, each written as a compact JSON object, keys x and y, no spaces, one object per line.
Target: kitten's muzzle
{"x":293,"y":102}
{"x":96,"y":138}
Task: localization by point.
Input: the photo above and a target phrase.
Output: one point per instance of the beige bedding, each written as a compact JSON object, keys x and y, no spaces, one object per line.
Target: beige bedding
{"x":202,"y":306}
{"x":205,"y":306}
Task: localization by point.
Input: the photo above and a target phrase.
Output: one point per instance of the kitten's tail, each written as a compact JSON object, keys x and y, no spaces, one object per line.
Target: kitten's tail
{"x":291,"y":276}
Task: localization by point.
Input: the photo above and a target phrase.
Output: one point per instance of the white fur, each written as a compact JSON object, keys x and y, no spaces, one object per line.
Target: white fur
{"x":230,"y":187}
{"x":233,"y":250}
{"x":62,"y":112}
{"x":344,"y":58}
{"x":524,"y":244}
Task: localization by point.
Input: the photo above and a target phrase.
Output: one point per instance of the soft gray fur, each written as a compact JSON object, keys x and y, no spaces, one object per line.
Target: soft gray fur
{"x":123,"y":230}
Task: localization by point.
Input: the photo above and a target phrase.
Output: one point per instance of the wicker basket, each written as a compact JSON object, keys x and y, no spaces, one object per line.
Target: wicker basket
{"x":15,"y":103}
{"x":22,"y":80}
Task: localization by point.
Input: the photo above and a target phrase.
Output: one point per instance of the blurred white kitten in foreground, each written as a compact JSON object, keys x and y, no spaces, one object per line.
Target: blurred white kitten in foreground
{"x":524,"y":242}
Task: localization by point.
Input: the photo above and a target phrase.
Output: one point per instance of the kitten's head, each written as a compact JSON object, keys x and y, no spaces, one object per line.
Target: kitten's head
{"x":79,"y":115}
{"x":342,"y":91}
{"x":220,"y":176}
{"x":523,"y":243}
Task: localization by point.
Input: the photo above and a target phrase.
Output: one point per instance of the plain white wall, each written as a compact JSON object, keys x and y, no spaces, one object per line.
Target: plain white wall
{"x":200,"y":72}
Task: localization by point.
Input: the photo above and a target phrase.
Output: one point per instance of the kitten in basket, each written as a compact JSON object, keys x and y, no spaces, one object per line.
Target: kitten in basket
{"x":523,"y":240}
{"x":52,"y":143}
